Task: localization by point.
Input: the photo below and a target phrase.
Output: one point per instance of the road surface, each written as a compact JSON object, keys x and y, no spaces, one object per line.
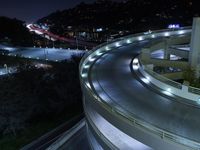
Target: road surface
{"x":114,"y":82}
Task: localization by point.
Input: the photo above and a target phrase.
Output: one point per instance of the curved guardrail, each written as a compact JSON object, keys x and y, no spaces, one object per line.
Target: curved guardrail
{"x":94,"y":54}
{"x":139,"y":123}
{"x":193,"y":93}
{"x":139,"y":36}
{"x":162,"y":78}
{"x":194,"y":90}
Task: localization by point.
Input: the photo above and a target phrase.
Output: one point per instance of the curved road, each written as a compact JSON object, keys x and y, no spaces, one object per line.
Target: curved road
{"x":113,"y":80}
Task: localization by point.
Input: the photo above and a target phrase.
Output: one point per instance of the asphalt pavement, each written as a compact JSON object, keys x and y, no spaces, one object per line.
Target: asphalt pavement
{"x":113,"y":81}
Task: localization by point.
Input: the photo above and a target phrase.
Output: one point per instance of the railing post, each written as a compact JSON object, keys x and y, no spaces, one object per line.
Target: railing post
{"x":163,"y":135}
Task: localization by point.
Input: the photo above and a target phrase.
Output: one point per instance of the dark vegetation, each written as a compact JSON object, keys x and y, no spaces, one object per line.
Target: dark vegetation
{"x":132,"y":15}
{"x":34,"y":101}
{"x":190,"y":75}
{"x":13,"y":31}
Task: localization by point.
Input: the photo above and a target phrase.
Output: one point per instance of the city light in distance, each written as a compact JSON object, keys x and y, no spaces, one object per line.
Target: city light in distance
{"x":140,"y":38}
{"x":173,"y":26}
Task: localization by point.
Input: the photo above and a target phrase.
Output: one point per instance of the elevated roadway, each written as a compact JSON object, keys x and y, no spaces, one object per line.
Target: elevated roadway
{"x":125,"y":104}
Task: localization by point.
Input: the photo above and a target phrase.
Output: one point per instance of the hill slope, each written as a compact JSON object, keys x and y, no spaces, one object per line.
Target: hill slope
{"x":14,"y":31}
{"x":134,"y":15}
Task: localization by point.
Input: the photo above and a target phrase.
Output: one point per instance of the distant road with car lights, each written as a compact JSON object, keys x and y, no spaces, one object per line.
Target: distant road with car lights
{"x":55,"y":37}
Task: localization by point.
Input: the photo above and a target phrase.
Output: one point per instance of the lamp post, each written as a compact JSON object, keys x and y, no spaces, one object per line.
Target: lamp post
{"x":45,"y":54}
{"x":76,"y":43}
{"x":5,"y":65}
{"x":53,"y":44}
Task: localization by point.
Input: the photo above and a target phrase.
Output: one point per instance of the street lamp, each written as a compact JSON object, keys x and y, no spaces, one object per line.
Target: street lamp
{"x":45,"y":54}
{"x":53,"y":43}
{"x":5,"y":65}
{"x":76,"y":43}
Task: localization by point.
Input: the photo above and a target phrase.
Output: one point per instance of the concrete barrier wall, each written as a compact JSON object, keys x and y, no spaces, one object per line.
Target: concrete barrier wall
{"x":168,"y":89}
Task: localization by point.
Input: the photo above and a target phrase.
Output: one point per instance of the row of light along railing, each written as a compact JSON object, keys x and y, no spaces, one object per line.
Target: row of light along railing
{"x":162,"y":78}
{"x":98,"y":51}
{"x":168,"y":81}
{"x":140,"y":123}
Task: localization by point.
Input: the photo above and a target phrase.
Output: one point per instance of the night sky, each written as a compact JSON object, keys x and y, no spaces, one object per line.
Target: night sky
{"x":31,"y":10}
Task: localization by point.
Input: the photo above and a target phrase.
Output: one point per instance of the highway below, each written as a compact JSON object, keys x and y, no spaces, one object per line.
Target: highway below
{"x":77,"y":142}
{"x":51,"y":54}
{"x":114,"y":82}
{"x":51,"y":36}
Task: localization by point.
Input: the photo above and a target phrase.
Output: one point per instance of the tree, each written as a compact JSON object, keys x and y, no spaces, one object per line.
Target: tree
{"x":189,"y":75}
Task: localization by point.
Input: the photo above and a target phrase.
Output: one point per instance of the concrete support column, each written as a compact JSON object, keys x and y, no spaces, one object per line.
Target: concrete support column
{"x":146,"y":55}
{"x":194,"y":58}
{"x":166,"y":51}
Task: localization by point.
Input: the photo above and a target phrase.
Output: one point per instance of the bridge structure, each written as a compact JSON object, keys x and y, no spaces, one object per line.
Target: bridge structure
{"x":128,"y":105}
